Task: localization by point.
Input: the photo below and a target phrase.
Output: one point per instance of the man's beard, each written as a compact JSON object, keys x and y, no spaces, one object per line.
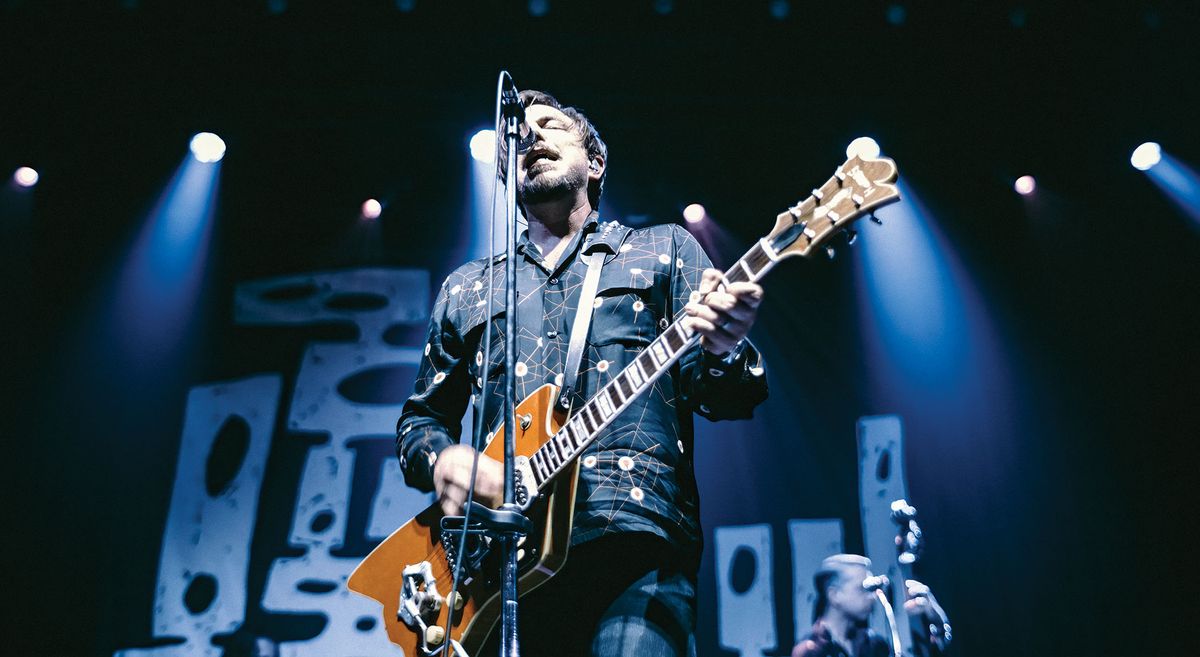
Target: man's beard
{"x":544,"y":188}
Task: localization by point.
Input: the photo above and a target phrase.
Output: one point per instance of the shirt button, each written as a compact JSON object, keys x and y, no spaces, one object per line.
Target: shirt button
{"x":554,"y":281}
{"x":552,"y":334}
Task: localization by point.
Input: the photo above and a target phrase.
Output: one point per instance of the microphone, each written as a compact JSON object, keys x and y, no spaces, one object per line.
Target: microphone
{"x":511,"y":107}
{"x":876,"y":582}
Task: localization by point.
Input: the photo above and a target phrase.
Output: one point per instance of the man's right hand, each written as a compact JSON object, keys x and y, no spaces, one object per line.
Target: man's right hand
{"x":452,"y":478}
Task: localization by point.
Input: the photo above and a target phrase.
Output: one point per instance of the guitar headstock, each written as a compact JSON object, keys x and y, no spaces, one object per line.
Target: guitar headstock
{"x":856,"y":188}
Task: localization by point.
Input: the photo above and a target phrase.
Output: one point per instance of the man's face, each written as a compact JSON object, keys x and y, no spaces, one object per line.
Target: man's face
{"x":557,"y":163}
{"x":849,"y":596}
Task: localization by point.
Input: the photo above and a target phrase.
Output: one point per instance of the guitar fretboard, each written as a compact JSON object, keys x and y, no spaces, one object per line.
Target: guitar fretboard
{"x":598,"y":412}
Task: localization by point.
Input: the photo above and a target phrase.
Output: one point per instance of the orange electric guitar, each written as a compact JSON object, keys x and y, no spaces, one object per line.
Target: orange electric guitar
{"x":410,"y":572}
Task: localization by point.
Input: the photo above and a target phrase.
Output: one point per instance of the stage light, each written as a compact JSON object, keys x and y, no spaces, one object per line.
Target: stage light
{"x":1025,"y":185}
{"x":864,"y":147}
{"x":694,"y":213}
{"x":483,"y":146}
{"x":664,"y":7}
{"x":207,"y":147}
{"x":406,"y":6}
{"x":896,"y":14}
{"x":1146,"y":156}
{"x":371,"y":209}
{"x":780,"y":9}
{"x":26,"y":177}
{"x":539,"y":7}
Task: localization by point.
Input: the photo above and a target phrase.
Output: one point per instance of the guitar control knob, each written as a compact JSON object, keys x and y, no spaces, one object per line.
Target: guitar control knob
{"x":434,"y":635}
{"x":876,"y":219}
{"x":851,"y":236}
{"x":830,"y":252}
{"x":455,"y":600}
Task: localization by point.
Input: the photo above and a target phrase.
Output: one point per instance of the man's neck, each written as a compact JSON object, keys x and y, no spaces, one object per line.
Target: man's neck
{"x":839,"y":627}
{"x":553,"y":224}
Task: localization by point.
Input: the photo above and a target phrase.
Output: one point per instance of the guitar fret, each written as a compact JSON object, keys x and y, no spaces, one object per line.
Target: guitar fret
{"x":578,"y":429}
{"x":611,"y":392}
{"x":591,"y":413}
{"x":606,"y":406}
{"x":540,"y":471}
{"x":624,"y":386}
{"x":673,"y":339}
{"x":553,"y":458}
{"x":560,"y":439}
{"x":572,"y":437}
{"x":646,"y":363}
{"x":749,"y":273}
{"x":588,"y":422}
{"x":635,"y":375}
{"x":659,"y":354}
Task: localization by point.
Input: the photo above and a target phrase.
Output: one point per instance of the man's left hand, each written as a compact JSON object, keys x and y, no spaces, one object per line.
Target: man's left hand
{"x":724,"y":313}
{"x":921,"y":603}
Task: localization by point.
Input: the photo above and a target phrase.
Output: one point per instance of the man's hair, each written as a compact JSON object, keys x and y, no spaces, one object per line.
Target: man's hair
{"x":830,"y":574}
{"x":581,"y":126}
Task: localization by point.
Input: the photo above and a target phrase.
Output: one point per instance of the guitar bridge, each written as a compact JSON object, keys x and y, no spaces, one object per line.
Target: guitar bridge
{"x":419,"y":597}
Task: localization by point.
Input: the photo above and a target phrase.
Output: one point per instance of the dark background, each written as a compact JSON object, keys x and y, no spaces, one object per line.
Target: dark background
{"x":1061,"y":530}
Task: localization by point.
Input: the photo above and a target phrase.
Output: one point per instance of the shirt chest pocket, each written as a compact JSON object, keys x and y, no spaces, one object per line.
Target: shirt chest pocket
{"x":628,"y":308}
{"x":476,"y":328}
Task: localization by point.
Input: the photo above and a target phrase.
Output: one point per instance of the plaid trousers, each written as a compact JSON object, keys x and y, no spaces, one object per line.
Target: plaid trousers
{"x":619,"y":595}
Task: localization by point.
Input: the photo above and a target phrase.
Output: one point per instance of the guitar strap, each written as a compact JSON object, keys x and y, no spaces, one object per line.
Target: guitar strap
{"x":579,"y":329}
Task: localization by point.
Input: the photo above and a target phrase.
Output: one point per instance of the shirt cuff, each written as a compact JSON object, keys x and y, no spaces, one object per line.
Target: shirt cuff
{"x":417,"y":446}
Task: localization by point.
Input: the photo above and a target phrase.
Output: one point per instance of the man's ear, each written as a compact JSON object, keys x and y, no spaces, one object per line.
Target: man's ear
{"x":596,"y":166}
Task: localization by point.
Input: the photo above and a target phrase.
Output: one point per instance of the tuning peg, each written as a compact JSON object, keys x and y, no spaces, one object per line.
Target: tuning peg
{"x":851,"y":236}
{"x":876,"y":219}
{"x":830,"y":252}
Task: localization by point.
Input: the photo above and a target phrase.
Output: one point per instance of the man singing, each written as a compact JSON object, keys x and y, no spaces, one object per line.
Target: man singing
{"x":843,"y":610}
{"x":629,"y":584}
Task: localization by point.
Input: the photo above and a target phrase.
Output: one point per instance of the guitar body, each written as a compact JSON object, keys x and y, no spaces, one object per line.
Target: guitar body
{"x":381,"y":574}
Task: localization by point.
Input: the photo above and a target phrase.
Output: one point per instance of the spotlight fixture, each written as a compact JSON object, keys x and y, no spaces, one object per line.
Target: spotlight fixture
{"x":26,"y":177}
{"x":207,"y":147}
{"x":371,"y":209}
{"x":1146,"y":156}
{"x":694,"y":213}
{"x":1025,"y":185}
{"x":483,"y":146}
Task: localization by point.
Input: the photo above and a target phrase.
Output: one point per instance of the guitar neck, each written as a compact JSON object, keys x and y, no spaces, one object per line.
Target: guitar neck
{"x":590,"y":419}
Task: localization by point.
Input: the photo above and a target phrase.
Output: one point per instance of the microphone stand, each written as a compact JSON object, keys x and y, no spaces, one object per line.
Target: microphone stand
{"x":897,"y":648}
{"x":514,"y":115}
{"x":507,"y":525}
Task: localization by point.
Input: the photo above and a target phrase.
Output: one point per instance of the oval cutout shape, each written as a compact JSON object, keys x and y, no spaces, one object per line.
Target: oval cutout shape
{"x":883,"y":469}
{"x":316,"y":586}
{"x":290,"y":292}
{"x":385,"y":384}
{"x":200,"y":593}
{"x":356,"y":301}
{"x":405,"y":335}
{"x":226,"y":455}
{"x":321,"y":522}
{"x":742,"y":569}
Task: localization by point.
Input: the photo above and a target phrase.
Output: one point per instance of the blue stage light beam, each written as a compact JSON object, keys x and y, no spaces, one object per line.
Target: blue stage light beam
{"x":159,"y":287}
{"x":929,"y":340}
{"x":1177,"y":180}
{"x":487,"y":197}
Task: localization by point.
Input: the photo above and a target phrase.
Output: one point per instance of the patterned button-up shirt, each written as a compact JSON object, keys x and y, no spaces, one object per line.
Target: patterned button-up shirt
{"x":638,"y":475}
